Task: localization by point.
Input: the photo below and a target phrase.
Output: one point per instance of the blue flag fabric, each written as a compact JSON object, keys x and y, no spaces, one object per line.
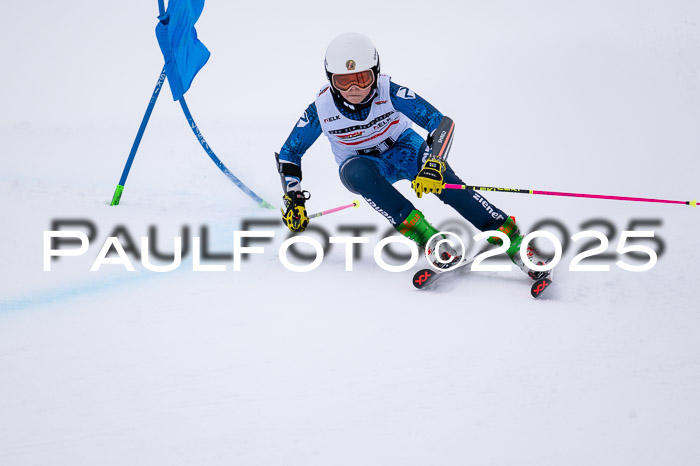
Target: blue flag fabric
{"x":184,"y":54}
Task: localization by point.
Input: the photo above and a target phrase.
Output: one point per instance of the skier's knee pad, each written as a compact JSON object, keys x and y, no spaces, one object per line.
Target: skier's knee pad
{"x":359,"y":174}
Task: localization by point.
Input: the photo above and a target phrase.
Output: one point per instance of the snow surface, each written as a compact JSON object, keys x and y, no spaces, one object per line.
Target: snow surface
{"x":271,"y":367}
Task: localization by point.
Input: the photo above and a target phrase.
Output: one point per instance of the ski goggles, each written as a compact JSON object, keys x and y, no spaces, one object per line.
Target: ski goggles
{"x":361,"y":79}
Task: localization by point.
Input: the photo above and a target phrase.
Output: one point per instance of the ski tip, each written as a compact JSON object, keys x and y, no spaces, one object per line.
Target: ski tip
{"x":539,"y":287}
{"x":422,"y":278}
{"x":694,"y":203}
{"x":356,"y":203}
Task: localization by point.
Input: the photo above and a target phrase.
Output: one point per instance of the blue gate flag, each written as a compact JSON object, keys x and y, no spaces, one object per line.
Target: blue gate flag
{"x":184,"y":54}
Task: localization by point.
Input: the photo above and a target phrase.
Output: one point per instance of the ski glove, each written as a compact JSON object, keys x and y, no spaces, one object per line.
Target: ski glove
{"x":429,"y":179}
{"x":295,"y":216}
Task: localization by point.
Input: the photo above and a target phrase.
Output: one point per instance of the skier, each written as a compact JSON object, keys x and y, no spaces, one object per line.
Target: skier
{"x":367,"y":119}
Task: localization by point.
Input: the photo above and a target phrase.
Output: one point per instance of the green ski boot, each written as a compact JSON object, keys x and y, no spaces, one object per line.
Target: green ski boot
{"x":511,"y":230}
{"x":417,"y":228}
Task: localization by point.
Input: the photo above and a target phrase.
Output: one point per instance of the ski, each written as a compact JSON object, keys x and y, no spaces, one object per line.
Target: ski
{"x":541,"y":287}
{"x":427,"y":276}
{"x":423,"y":278}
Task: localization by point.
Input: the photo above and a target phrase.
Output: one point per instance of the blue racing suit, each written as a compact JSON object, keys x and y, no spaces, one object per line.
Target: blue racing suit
{"x":372,"y":174}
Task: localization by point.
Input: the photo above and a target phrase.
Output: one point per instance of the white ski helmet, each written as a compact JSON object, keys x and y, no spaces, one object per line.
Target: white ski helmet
{"x":353,"y":60}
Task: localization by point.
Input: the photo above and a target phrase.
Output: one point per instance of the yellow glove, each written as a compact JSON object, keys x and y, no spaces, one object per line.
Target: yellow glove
{"x":429,"y":179}
{"x":295,"y":216}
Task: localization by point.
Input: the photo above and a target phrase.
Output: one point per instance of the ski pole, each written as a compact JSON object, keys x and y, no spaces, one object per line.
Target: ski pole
{"x":554,"y":193}
{"x":330,"y":211}
{"x":134,"y":147}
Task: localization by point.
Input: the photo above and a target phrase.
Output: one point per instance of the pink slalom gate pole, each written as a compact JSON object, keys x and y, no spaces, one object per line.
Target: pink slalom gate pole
{"x":336,"y":209}
{"x":554,"y":193}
